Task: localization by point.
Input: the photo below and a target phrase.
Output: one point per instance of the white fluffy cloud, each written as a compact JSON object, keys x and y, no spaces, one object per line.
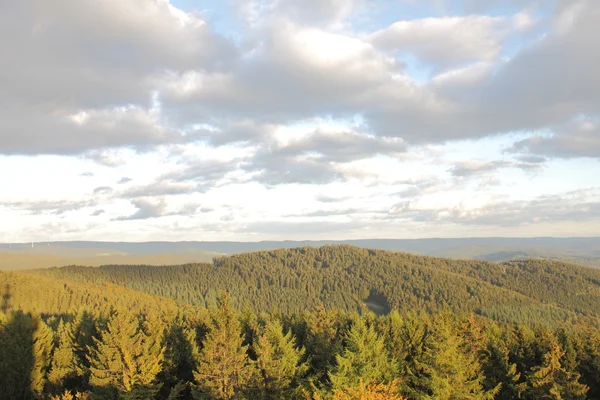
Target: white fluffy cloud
{"x":175,"y":123}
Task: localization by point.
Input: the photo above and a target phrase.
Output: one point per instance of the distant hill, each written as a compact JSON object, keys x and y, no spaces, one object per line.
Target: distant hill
{"x":582,"y":251}
{"x":349,"y":278}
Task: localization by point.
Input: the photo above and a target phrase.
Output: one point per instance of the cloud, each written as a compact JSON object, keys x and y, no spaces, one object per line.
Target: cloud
{"x":473,"y":168}
{"x":576,"y":206}
{"x":53,"y":207}
{"x":146,"y":209}
{"x":161,"y":188}
{"x":580,"y":138}
{"x":546,"y":83}
{"x":446,"y":41}
{"x":124,"y":180}
{"x":94,"y":62}
{"x":103,"y":190}
{"x":295,"y":72}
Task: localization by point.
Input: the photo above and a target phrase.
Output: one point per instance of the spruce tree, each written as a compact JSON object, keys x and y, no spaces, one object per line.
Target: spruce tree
{"x":224,"y":369}
{"x":278,"y":361}
{"x":552,"y":381}
{"x":373,"y":391}
{"x":126,"y":358}
{"x":16,"y":356}
{"x":43,"y":344}
{"x":499,"y":371}
{"x":322,"y":341}
{"x":364,"y":359}
{"x":64,"y":363}
{"x":180,"y":355}
{"x":446,"y":369}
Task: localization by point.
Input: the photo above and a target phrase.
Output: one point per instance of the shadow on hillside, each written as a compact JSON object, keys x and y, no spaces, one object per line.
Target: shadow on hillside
{"x":377,"y":303}
{"x":16,"y":352}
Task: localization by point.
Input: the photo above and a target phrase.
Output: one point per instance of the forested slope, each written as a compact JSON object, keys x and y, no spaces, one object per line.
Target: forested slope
{"x":76,"y":333}
{"x":346,"y":277}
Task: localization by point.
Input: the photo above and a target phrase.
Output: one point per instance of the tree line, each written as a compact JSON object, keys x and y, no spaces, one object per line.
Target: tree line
{"x":346,"y":277}
{"x":320,"y":354}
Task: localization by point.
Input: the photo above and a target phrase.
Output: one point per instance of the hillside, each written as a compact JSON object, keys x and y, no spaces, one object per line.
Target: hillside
{"x":91,"y":332}
{"x":347,"y":278}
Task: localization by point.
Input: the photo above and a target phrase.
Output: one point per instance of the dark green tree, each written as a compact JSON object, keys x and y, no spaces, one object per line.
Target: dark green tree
{"x":126,"y":358}
{"x":552,"y":381}
{"x":364,"y":359}
{"x":279,"y":361}
{"x":223,"y":370}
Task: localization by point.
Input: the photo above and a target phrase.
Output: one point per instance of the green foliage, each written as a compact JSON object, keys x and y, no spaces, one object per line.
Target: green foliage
{"x":364,"y":358}
{"x":127,"y":357}
{"x":65,"y":367}
{"x":446,"y":369}
{"x":224,"y":369}
{"x":279,"y":362}
{"x":17,"y":356}
{"x":475,"y":330}
{"x":552,"y":380}
{"x":346,"y":278}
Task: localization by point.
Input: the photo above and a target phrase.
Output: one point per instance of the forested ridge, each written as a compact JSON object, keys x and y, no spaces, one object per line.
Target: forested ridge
{"x":293,"y":324}
{"x":343,"y":277}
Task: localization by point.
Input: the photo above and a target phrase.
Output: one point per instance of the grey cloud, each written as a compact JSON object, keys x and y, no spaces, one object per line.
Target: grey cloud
{"x":161,"y":188}
{"x":329,"y":199}
{"x":316,"y":12}
{"x":232,"y":132}
{"x":578,"y":206}
{"x":532,"y":159}
{"x":227,"y":218}
{"x":97,"y":212}
{"x":146,"y":209}
{"x":87,"y":174}
{"x":313,"y":158}
{"x":50,"y":207}
{"x":473,"y":168}
{"x":330,"y":213}
{"x":124,"y":180}
{"x":283,"y":80}
{"x":580,"y":138}
{"x":446,"y":41}
{"x":65,"y":57}
{"x":344,"y":146}
{"x":106,"y":158}
{"x":103,"y":190}
{"x":27,"y":131}
{"x":279,"y":82}
{"x":203,"y":171}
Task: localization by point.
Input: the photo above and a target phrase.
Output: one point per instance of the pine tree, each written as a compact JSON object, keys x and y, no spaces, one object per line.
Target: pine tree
{"x":446,"y":369}
{"x":224,"y":369}
{"x":498,"y":370}
{"x":180,"y":355}
{"x":43,"y":344}
{"x":64,"y":363}
{"x":373,"y":391}
{"x":589,"y":361}
{"x":126,"y":358}
{"x":552,"y":381}
{"x":364,"y":358}
{"x":322,"y":342}
{"x":16,"y":356}
{"x":278,"y":361}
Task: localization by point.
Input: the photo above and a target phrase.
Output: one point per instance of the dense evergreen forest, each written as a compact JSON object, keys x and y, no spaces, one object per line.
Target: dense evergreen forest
{"x":346,"y":278}
{"x":298,"y":324}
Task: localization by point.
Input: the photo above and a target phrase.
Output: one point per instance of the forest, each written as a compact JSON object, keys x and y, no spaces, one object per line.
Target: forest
{"x":336,"y":322}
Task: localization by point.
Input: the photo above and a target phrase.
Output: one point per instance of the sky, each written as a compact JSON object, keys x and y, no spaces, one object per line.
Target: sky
{"x":253,"y":120}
